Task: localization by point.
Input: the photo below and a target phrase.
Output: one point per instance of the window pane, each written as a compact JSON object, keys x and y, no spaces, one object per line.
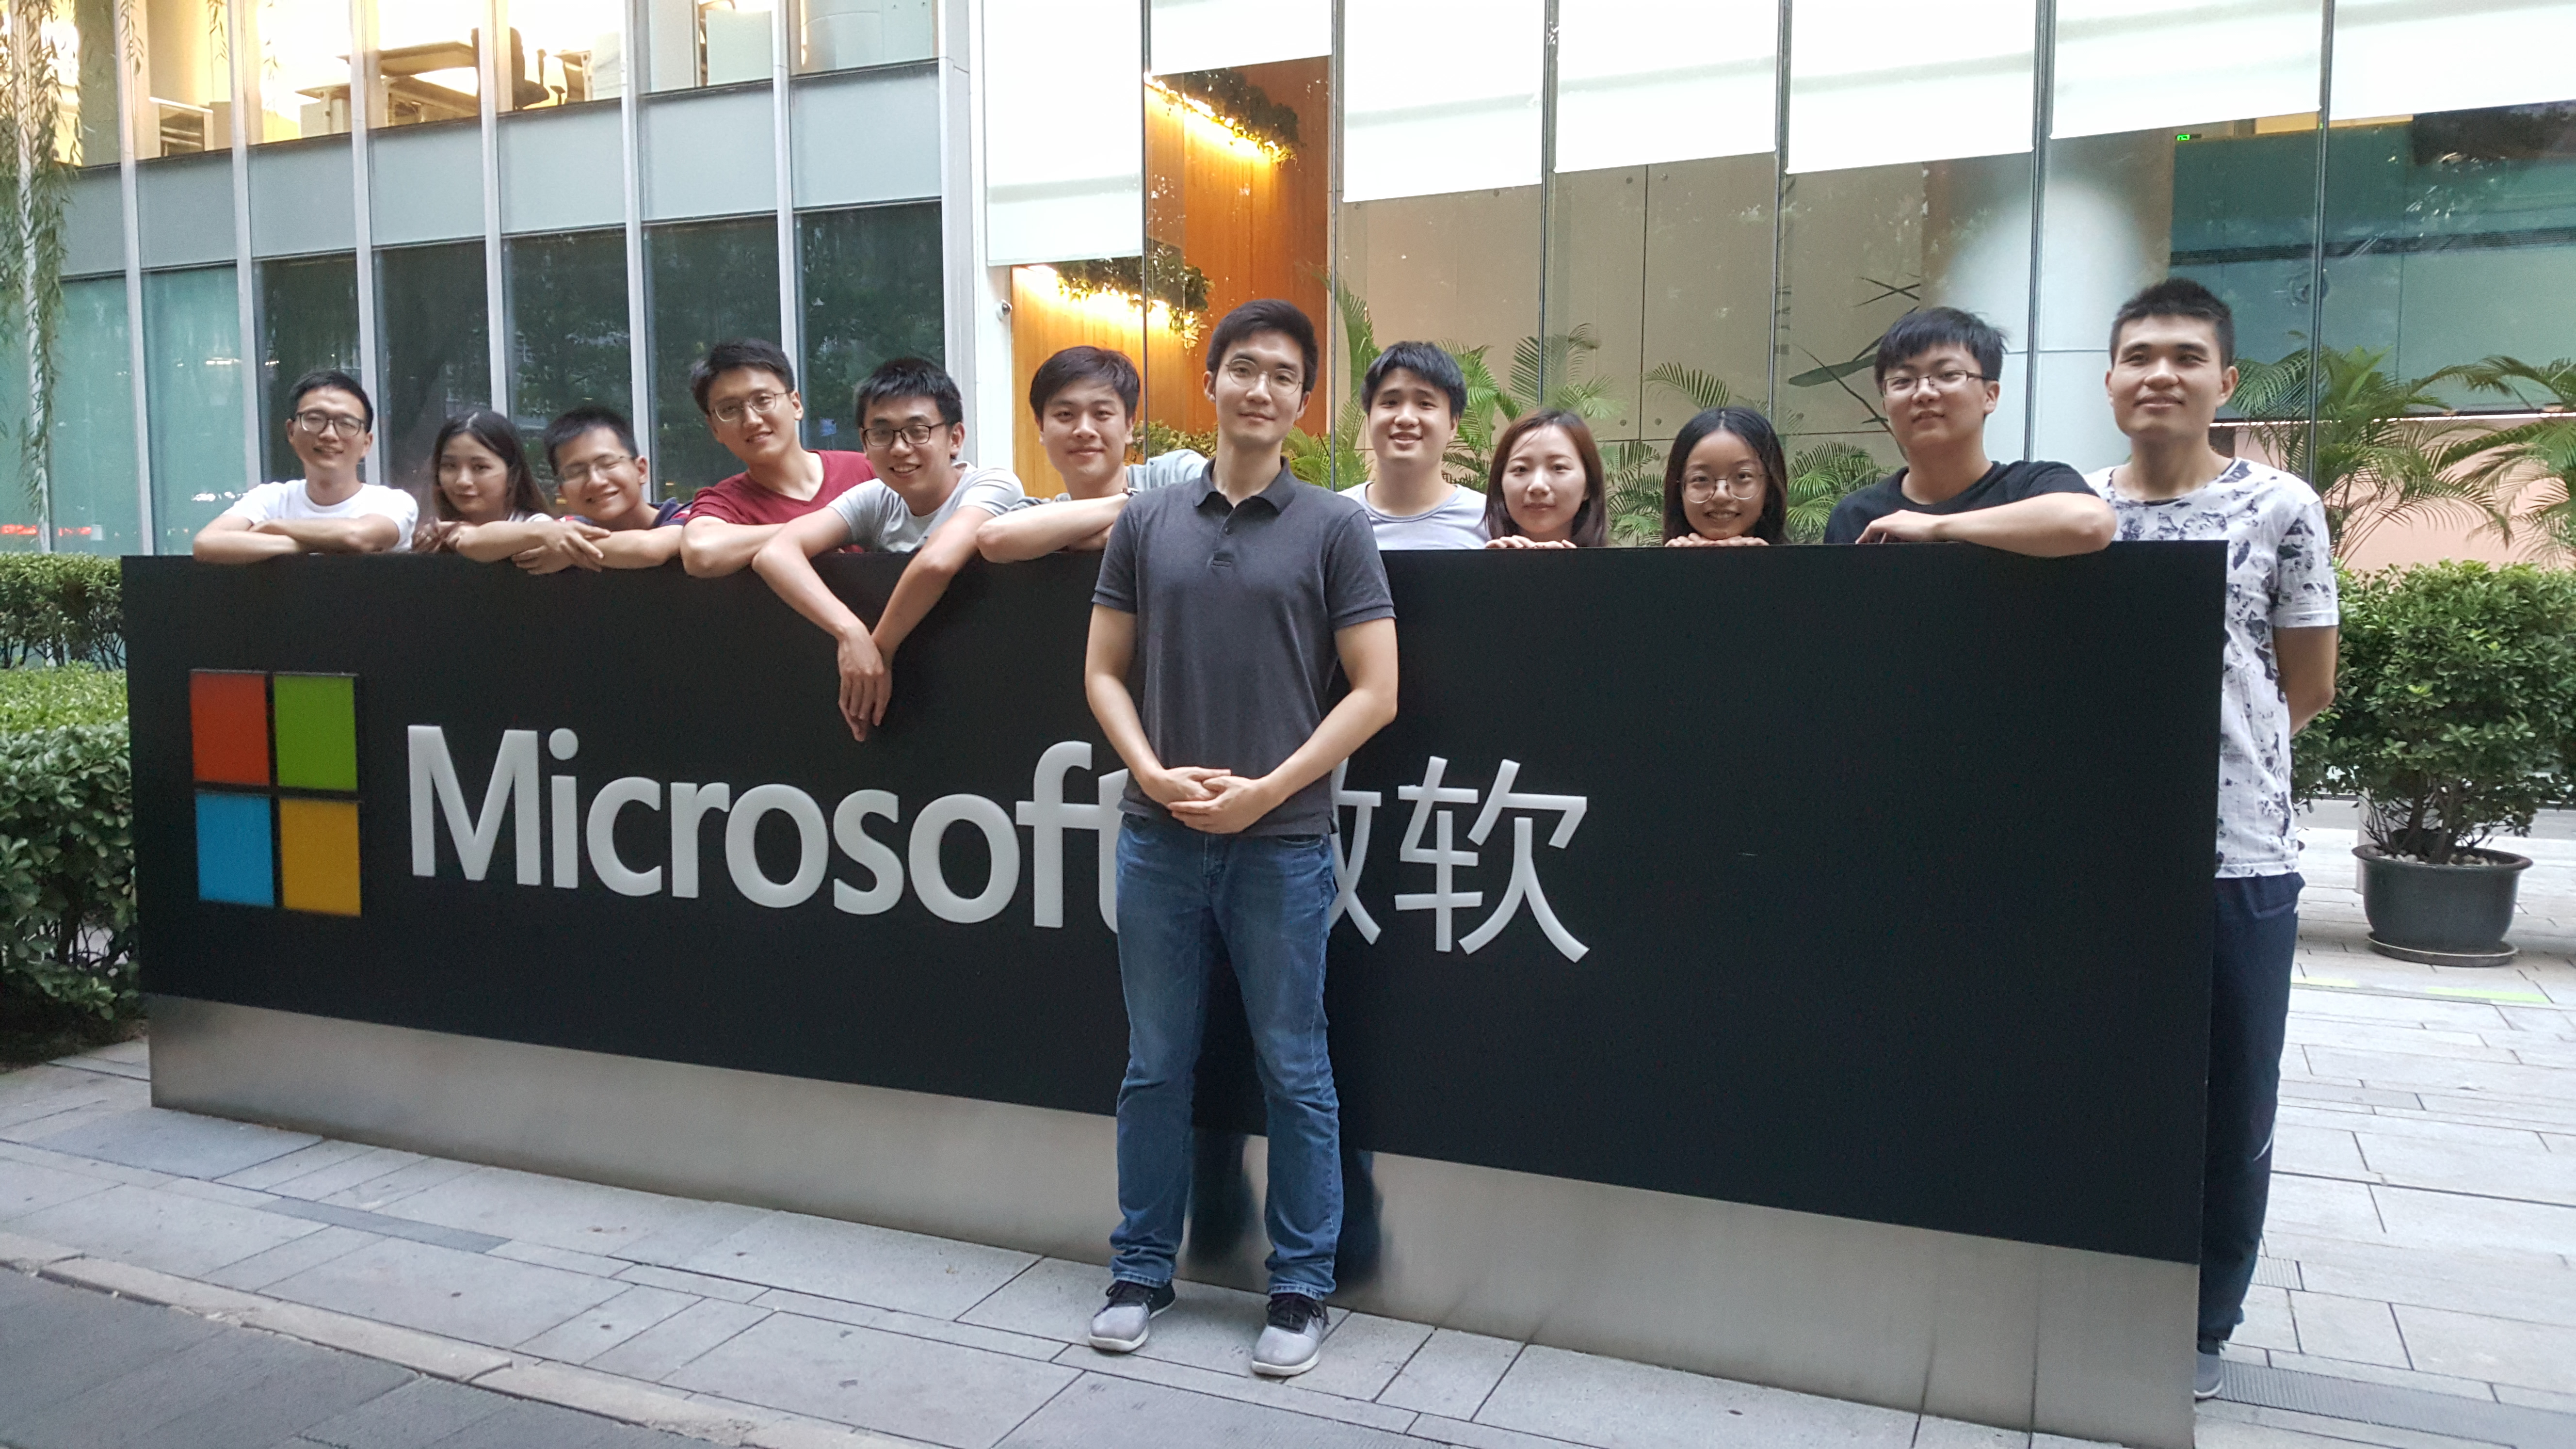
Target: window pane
{"x":2128,"y":65}
{"x":303,"y":48}
{"x":1440,"y":96}
{"x":423,"y":66}
{"x":84,"y":64}
{"x":2398,"y":57}
{"x":708,"y":281}
{"x":872,"y":291}
{"x":564,"y":52}
{"x":1639,"y":81}
{"x":308,"y":319}
{"x":187,"y":87}
{"x":1064,"y":133}
{"x":567,"y":296}
{"x":706,"y":43}
{"x":1872,"y":82}
{"x":1205,"y":34}
{"x":95,"y":509}
{"x":437,"y":359}
{"x":845,"y":34}
{"x":192,"y":348}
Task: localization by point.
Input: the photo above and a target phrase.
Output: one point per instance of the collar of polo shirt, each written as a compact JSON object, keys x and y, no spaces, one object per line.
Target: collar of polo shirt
{"x":1281,"y":489}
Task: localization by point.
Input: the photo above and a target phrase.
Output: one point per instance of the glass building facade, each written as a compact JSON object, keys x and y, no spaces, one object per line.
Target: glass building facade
{"x":1630,"y":206}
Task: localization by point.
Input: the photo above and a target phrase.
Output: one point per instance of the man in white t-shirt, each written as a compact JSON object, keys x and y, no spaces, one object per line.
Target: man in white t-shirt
{"x":2171,"y":347}
{"x":925,"y":501}
{"x":1085,"y":399}
{"x":330,"y":424}
{"x":1413,"y":396}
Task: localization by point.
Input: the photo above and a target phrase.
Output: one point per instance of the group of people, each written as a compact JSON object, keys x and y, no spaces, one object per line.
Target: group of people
{"x":1225,"y":579}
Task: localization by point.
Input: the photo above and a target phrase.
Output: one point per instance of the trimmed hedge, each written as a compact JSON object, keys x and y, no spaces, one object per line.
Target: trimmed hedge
{"x":61,"y":608}
{"x":67,"y":869}
{"x":73,"y":694}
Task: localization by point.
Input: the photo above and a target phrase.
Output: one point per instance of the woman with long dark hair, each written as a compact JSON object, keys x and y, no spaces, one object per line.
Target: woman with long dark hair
{"x":1726,"y":481}
{"x":1546,"y":490}
{"x":484,"y":500}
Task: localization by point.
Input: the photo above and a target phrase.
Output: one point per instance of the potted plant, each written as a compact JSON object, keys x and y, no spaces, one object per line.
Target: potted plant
{"x":2454,"y":715}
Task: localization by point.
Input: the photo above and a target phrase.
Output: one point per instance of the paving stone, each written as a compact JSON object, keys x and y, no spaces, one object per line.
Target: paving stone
{"x":321,"y":1179}
{"x":378,"y":1193}
{"x":1485,"y":1436}
{"x":2532,"y":1176}
{"x":39,"y":1092}
{"x":2311,"y":1151}
{"x":1362,"y":1355}
{"x":2476,"y":1080}
{"x":180,"y":1143}
{"x":564,"y":1258}
{"x":663,"y":1349}
{"x":937,"y":1277}
{"x":1451,"y":1374}
{"x":57,"y":1342}
{"x":265,"y":1176}
{"x":964,"y":1335}
{"x":2267,"y":1320}
{"x":1938,"y":1433}
{"x":2446,"y":1220}
{"x":2361,"y":1329}
{"x":27,"y":1188}
{"x":884,"y":1381}
{"x":588,"y":1335}
{"x":523,"y":1425}
{"x":382,"y":1225}
{"x":419,"y":1414}
{"x":1617,"y":1405}
{"x":1054,"y":1299}
{"x":557,"y":1212}
{"x":161,"y":1230}
{"x":285,"y":1260}
{"x":2384,"y":1123}
{"x":696,"y":1285}
{"x":2498,"y":1350}
{"x":2324,"y":1207}
{"x":438,"y":1290}
{"x":1098,"y":1410}
{"x":1240,"y":1387}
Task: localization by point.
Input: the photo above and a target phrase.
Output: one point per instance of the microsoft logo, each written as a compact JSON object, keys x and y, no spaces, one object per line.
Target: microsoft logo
{"x":286,"y":836}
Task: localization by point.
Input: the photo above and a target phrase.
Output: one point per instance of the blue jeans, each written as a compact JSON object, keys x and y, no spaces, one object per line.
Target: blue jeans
{"x":2249,"y":1008}
{"x":1187,"y":900}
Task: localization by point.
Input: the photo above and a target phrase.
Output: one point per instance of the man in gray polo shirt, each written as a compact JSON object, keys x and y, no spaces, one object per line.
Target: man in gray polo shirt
{"x":1227,"y":610}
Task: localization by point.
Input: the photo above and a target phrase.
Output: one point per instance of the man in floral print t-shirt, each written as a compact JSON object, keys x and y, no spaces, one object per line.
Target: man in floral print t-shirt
{"x":2171,"y":347}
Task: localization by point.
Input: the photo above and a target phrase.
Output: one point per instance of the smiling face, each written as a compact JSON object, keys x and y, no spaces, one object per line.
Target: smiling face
{"x":474,"y":480}
{"x":909,"y":446}
{"x":1259,"y":387}
{"x":1543,"y":484}
{"x":1948,"y":404}
{"x":1409,"y":421}
{"x":1084,"y":428}
{"x":600,"y":480}
{"x":2167,"y":379}
{"x":329,"y":432}
{"x":754,"y":413}
{"x":1723,"y":487}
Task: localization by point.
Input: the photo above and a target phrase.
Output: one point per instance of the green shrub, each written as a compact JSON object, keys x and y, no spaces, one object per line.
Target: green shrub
{"x":2455,"y":705}
{"x":57,"y":608}
{"x":67,"y":869}
{"x":69,"y":694}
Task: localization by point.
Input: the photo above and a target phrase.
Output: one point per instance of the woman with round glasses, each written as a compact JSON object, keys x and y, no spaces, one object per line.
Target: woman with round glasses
{"x":1726,"y":482}
{"x":1546,"y":490}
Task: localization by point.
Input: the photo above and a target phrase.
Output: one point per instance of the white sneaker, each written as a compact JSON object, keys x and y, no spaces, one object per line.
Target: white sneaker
{"x":1293,"y":1339}
{"x":1120,"y":1325}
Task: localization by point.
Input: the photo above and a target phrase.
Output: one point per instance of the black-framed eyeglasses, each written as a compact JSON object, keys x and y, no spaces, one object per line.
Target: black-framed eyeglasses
{"x":881,"y":436}
{"x":1948,"y":379}
{"x":315,"y":423}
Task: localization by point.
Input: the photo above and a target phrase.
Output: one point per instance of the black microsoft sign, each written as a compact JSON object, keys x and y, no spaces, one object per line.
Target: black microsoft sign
{"x":1863,"y":882}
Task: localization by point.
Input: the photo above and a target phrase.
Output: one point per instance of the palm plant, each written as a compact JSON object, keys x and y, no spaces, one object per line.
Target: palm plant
{"x":2541,"y":454}
{"x":1819,"y":478}
{"x":2372,"y":453}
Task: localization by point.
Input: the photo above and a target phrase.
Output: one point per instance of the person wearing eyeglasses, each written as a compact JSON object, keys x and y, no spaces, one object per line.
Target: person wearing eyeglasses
{"x":330,"y":424}
{"x":1726,"y":482}
{"x":601,"y":478}
{"x":747,"y":389}
{"x":926,"y":501}
{"x":1938,"y":373}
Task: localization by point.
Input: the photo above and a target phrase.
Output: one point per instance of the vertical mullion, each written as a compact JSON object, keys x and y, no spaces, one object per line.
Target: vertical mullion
{"x":247,"y":104}
{"x":1779,"y":203}
{"x":362,"y":50}
{"x":127,"y":194}
{"x":790,"y":335}
{"x":2043,"y":117}
{"x":639,"y":371}
{"x":1547,"y":190}
{"x":2317,"y":239}
{"x":495,"y":52}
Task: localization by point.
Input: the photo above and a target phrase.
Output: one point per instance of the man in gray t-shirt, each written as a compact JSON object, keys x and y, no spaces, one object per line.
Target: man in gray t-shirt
{"x":924,"y":502}
{"x":1227,"y":608}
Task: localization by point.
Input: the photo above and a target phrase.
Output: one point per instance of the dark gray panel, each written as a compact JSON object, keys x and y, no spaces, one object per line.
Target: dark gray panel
{"x":867,"y":137}
{"x":94,"y":225}
{"x":186,"y":206}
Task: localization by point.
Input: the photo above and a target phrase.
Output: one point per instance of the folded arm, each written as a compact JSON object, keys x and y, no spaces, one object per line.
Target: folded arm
{"x":2051,"y":525}
{"x":558,"y":543}
{"x":711,"y":548}
{"x":786,"y":561}
{"x":235,"y":539}
{"x":1026,"y":533}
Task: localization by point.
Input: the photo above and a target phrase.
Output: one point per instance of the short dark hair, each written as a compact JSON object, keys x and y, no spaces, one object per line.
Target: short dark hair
{"x":1432,"y":364}
{"x":2179,"y":297}
{"x":1111,"y":369}
{"x":1592,"y":520}
{"x":739,"y":354}
{"x":331,"y":377}
{"x":903,"y":377}
{"x":1269,"y":314}
{"x":1925,"y":328}
{"x":500,"y":435}
{"x":1772,"y":524}
{"x":578,"y":423}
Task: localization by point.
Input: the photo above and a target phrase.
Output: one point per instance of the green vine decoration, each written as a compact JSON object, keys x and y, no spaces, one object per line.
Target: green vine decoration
{"x":1244,"y":107}
{"x":35,"y":190}
{"x":1173,"y":282}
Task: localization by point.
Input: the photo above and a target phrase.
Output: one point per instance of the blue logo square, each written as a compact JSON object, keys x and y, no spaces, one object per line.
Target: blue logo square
{"x":234,"y":860}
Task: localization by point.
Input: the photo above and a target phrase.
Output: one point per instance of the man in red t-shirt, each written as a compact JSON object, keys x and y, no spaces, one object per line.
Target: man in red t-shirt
{"x":747,"y":389}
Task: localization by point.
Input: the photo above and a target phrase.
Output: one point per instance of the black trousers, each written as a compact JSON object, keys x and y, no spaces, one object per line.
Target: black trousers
{"x":2249,"y":1007}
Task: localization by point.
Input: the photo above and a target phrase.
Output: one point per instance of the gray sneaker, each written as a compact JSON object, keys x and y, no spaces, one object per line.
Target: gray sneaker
{"x":2205,"y":1374}
{"x":1294,"y":1338}
{"x":1120,"y":1325}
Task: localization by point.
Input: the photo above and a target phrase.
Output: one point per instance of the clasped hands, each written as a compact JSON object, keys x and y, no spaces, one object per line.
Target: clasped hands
{"x":1208,"y":799}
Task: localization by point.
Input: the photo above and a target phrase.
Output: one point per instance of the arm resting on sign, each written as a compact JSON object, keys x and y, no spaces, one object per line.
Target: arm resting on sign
{"x":1027,"y":533}
{"x":710,"y":548}
{"x":927,"y":575}
{"x":2307,"y":662}
{"x":1368,"y":658}
{"x":2051,"y":525}
{"x":560,"y":543}
{"x":1105,"y":658}
{"x":787,"y":562}
{"x":234,"y":539}
{"x":230,"y":540}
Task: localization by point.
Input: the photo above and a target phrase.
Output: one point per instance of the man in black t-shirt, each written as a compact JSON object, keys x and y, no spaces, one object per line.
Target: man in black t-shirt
{"x":1938,"y":371}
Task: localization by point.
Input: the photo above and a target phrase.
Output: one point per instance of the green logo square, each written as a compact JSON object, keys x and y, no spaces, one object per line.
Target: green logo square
{"x":317,"y":731}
